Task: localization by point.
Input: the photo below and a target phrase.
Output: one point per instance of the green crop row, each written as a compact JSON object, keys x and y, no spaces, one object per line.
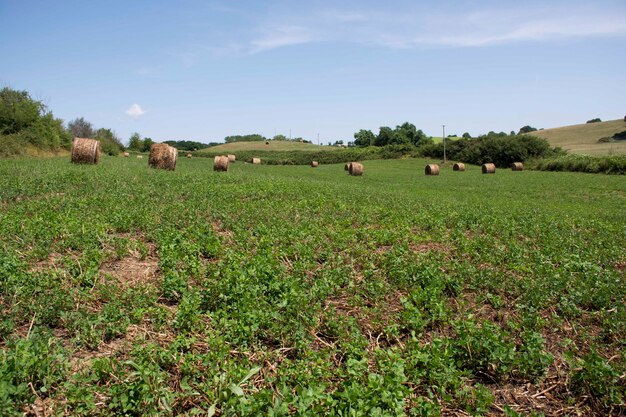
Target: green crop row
{"x":288,"y":290}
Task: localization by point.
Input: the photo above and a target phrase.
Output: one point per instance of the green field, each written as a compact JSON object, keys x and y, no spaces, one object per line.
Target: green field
{"x":583,"y":138}
{"x":288,"y":290}
{"x":273,"y":146}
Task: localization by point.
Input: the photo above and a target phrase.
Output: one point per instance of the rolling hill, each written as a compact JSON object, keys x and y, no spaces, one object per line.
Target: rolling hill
{"x":583,"y":138}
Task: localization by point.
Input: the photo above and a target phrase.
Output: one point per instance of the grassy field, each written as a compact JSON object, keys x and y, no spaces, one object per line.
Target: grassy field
{"x":583,"y":138}
{"x":288,"y":290}
{"x":274,"y":145}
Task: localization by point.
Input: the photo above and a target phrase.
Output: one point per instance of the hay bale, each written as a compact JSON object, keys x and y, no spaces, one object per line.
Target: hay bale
{"x":432,"y":169}
{"x":459,"y":166}
{"x":126,"y":154}
{"x":267,"y":142}
{"x":355,"y":169}
{"x":220,"y":163}
{"x":232,"y":158}
{"x":256,"y":160}
{"x":139,"y":156}
{"x":314,"y":164}
{"x":163,"y":156}
{"x":346,"y":167}
{"x":85,"y":151}
{"x":489,"y":169}
{"x":188,"y":155}
{"x":517,"y":166}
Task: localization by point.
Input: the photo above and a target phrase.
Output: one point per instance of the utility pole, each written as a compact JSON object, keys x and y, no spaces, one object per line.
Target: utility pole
{"x":444,"y":144}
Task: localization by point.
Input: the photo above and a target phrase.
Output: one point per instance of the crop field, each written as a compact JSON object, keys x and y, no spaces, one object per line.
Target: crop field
{"x":290,"y":290}
{"x":273,"y":145}
{"x":583,"y":138}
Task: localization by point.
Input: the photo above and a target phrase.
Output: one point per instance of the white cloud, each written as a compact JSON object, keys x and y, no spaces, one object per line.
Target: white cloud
{"x":135,"y":111}
{"x":279,"y":36}
{"x":416,"y":27}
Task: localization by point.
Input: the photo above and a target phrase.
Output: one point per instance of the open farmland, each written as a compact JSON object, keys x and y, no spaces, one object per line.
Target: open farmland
{"x":273,"y":146}
{"x":583,"y":138}
{"x":288,"y":290}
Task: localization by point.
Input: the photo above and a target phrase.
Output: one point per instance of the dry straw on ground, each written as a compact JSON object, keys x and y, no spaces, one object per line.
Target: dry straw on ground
{"x":85,"y":151}
{"x":314,"y":164}
{"x":232,"y":158}
{"x":163,"y":156}
{"x":256,"y":160}
{"x":126,"y":154}
{"x":489,"y":169}
{"x":220,"y":163}
{"x":355,"y":169}
{"x":517,"y":166}
{"x":432,"y":169}
{"x":459,"y":166}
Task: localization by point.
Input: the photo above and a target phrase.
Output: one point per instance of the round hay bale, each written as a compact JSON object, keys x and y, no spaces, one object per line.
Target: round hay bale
{"x":85,"y":151}
{"x":232,"y":158}
{"x":139,"y":156}
{"x":126,"y":154}
{"x":256,"y":160}
{"x":346,"y":167}
{"x":459,"y":166}
{"x":220,"y":163}
{"x":355,"y":169}
{"x":267,"y":142}
{"x":314,"y":164}
{"x":517,"y":166}
{"x":489,"y":169}
{"x":188,"y":155}
{"x":432,"y":169}
{"x":163,"y":156}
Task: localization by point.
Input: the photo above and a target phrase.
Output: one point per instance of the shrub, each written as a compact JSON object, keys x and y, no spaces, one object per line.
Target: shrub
{"x":614,"y":164}
{"x":495,"y":148}
{"x":596,"y":120}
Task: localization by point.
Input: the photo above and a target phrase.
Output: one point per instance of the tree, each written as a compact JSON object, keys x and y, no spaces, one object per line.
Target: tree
{"x":467,"y":136}
{"x":26,"y":122}
{"x":527,"y":129}
{"x":135,"y":142}
{"x":596,"y":120}
{"x":109,"y":142}
{"x":385,"y":136}
{"x":364,"y":138}
{"x":81,"y":128}
{"x":280,"y":137}
{"x":147,"y":143}
{"x":18,"y":110}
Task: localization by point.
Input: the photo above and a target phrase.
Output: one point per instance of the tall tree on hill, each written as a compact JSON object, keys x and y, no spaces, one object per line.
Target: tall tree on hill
{"x":364,"y":138}
{"x":527,"y":129}
{"x":135,"y":142}
{"x":81,"y":128}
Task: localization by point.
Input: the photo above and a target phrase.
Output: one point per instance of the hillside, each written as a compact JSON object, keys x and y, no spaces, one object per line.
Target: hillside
{"x":583,"y":138}
{"x":261,"y":146}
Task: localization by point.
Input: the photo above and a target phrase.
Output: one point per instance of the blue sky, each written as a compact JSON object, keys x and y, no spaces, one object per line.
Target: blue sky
{"x":201,"y":70}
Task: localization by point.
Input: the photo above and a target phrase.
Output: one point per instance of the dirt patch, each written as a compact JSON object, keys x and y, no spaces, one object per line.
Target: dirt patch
{"x":221,"y":231}
{"x":428,"y":247}
{"x":134,"y":269}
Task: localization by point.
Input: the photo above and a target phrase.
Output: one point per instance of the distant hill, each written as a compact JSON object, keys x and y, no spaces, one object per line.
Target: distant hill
{"x":583,"y":138}
{"x":276,"y":146}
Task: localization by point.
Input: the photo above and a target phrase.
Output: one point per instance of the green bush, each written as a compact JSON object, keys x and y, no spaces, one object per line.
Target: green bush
{"x":26,"y":122}
{"x":323,"y":156}
{"x":614,"y":164}
{"x":499,"y":149}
